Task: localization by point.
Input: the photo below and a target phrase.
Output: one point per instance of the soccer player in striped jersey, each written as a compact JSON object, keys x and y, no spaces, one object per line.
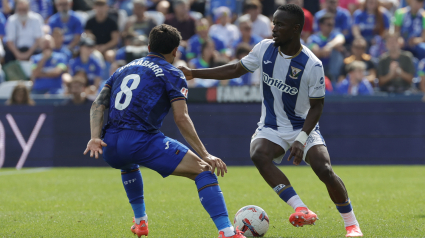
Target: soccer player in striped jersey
{"x":293,"y":91}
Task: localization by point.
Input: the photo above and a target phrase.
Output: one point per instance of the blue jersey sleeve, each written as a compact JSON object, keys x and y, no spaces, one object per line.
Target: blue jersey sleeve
{"x":176,"y":87}
{"x":98,"y":72}
{"x":347,"y":21}
{"x":78,"y":26}
{"x":110,"y":81}
{"x":357,"y":17}
{"x":386,"y":20}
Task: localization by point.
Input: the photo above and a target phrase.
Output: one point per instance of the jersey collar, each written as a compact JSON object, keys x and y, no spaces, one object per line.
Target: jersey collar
{"x":281,"y":54}
{"x":154,"y":54}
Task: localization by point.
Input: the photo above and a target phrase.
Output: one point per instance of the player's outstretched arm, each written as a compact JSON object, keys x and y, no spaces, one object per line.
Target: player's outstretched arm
{"x":313,"y":116}
{"x":187,"y":129}
{"x":228,"y":71}
{"x":96,"y":122}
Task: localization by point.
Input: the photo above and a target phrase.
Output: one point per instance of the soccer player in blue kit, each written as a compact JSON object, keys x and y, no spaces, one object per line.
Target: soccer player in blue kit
{"x":139,"y":96}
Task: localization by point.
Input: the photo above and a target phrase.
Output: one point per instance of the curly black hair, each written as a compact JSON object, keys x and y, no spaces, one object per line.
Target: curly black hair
{"x":296,"y":11}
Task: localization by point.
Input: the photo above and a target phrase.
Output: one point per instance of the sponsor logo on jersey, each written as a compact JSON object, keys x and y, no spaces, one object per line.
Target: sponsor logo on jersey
{"x":184,"y":91}
{"x":279,"y":84}
{"x":294,"y":72}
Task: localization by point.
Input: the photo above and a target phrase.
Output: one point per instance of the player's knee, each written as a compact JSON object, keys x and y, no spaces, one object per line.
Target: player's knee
{"x":260,"y":157}
{"x":325,"y":173}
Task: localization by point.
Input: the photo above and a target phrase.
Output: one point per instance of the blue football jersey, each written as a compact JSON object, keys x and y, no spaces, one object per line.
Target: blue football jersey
{"x":142,"y":92}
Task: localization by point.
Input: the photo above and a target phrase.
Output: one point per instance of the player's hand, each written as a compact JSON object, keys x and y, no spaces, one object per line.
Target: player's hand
{"x":216,"y":163}
{"x":95,"y":147}
{"x":186,"y":71}
{"x":297,"y":151}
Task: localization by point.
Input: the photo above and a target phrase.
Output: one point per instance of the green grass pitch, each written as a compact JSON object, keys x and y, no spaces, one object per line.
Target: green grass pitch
{"x":91,"y":202}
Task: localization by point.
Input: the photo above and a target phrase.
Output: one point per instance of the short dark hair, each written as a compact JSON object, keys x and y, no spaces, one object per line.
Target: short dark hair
{"x":164,"y":39}
{"x":326,"y":17}
{"x":296,"y":11}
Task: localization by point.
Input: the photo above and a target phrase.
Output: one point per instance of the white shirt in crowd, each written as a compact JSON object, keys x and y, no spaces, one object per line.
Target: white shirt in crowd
{"x":261,"y":26}
{"x":228,"y":33}
{"x":24,"y":36}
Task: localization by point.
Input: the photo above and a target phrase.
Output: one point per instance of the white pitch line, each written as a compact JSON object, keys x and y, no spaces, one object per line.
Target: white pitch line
{"x":26,"y":171}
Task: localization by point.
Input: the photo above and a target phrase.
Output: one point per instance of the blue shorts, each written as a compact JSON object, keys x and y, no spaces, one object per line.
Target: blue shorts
{"x":127,"y":149}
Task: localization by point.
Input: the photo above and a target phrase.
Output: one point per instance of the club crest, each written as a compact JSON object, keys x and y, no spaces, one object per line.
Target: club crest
{"x":294,"y":72}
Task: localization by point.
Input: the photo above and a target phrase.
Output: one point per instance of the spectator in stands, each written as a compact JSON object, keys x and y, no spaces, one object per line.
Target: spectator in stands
{"x":57,"y":34}
{"x":355,"y":83}
{"x":23,"y":32}
{"x":260,"y":23}
{"x":342,"y":17}
{"x":245,"y":28}
{"x":2,"y":26}
{"x":136,"y":47}
{"x":205,"y":60}
{"x":370,"y":21}
{"x":421,"y":74}
{"x":20,"y":96}
{"x":395,"y":69}
{"x":48,"y":68}
{"x":181,"y":19}
{"x":87,"y":62}
{"x":235,"y":7}
{"x":194,"y":44}
{"x":327,"y":44}
{"x":308,"y":19}
{"x":77,"y":89}
{"x":127,"y":39}
{"x":7,"y":6}
{"x":43,"y":7}
{"x":358,"y":50}
{"x":103,"y":27}
{"x":224,"y":30}
{"x":68,"y":21}
{"x":350,"y":5}
{"x":410,"y":24}
{"x":241,"y":51}
{"x":139,"y":22}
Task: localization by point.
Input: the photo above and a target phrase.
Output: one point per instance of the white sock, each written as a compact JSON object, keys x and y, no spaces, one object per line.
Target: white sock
{"x":349,"y":218}
{"x":138,"y":220}
{"x":295,"y":201}
{"x":228,"y":231}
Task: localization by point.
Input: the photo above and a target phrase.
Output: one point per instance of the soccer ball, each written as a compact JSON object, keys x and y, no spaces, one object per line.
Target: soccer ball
{"x":252,"y":221}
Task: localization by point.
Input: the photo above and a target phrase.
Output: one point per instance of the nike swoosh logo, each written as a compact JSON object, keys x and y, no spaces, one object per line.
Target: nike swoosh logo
{"x":318,"y":65}
{"x":267,"y":62}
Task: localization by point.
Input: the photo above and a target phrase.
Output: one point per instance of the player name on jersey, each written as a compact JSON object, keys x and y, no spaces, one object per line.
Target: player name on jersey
{"x":154,"y":67}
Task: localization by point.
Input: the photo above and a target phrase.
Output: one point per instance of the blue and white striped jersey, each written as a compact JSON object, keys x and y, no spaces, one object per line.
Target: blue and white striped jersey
{"x":288,"y":83}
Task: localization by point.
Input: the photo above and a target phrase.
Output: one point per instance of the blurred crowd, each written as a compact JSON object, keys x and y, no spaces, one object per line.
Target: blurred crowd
{"x":70,"y":47}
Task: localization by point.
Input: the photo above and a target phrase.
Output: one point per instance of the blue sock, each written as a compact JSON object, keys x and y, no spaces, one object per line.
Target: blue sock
{"x":344,"y":207}
{"x":288,"y":194}
{"x":133,"y":185}
{"x":212,"y":199}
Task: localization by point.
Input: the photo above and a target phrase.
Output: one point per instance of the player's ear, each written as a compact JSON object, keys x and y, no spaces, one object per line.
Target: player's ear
{"x":149,"y":48}
{"x":174,"y":52}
